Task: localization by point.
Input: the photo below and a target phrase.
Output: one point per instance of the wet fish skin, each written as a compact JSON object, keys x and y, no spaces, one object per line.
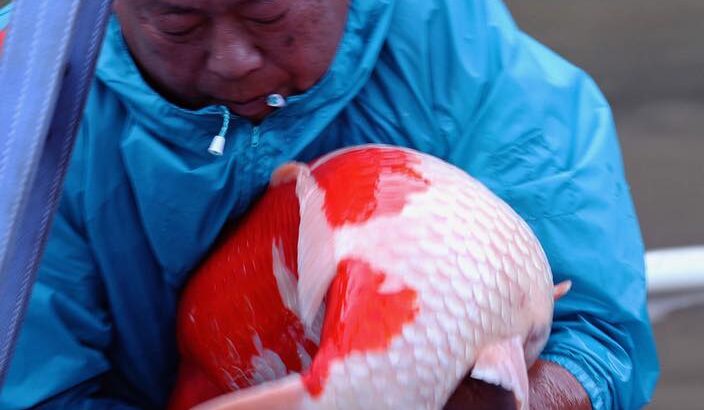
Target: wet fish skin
{"x":425,"y":275}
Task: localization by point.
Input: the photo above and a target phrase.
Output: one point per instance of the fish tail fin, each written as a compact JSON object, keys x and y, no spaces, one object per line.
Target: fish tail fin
{"x":286,"y":393}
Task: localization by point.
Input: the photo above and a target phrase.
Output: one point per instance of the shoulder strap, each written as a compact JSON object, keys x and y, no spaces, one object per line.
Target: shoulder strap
{"x":46,"y":67}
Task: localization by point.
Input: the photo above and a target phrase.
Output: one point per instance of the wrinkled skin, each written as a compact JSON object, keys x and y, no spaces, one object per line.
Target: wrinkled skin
{"x":235,"y":53}
{"x":551,"y":388}
{"x":232,"y":52}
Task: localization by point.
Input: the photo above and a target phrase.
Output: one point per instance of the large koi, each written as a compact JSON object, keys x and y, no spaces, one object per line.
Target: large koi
{"x":374,"y":278}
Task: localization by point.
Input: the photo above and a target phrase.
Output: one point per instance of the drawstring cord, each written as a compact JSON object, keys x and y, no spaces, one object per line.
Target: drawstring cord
{"x":217,"y":145}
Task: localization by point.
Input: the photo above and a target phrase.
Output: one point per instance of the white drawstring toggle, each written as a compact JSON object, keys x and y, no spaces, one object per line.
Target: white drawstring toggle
{"x":217,"y":144}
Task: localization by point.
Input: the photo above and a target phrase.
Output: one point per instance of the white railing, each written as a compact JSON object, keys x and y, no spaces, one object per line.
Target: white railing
{"x":675,"y":269}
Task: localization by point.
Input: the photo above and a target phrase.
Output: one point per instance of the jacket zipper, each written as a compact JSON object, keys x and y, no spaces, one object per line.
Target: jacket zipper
{"x":256,"y":135}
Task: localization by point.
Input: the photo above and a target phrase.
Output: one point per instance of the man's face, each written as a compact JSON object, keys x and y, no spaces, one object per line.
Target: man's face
{"x":232,"y":52}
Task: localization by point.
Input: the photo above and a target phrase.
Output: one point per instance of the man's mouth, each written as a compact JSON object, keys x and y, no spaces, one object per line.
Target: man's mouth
{"x":252,"y":107}
{"x":247,"y":101}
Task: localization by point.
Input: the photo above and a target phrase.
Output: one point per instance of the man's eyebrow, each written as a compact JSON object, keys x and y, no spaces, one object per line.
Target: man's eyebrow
{"x":171,"y":8}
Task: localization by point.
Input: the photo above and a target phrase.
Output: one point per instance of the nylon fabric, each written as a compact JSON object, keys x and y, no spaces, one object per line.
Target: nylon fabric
{"x":144,"y":199}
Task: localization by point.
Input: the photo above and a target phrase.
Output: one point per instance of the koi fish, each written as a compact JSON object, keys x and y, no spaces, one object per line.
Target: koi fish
{"x":374,"y":277}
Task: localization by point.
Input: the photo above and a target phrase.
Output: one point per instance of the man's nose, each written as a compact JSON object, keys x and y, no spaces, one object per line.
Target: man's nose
{"x":233,"y":54}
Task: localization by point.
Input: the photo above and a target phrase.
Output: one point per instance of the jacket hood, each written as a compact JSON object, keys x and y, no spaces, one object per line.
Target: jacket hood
{"x":364,"y":34}
{"x":183,"y":194}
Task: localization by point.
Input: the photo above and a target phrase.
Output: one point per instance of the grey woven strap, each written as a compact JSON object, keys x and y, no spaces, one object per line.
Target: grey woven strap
{"x":46,"y":67}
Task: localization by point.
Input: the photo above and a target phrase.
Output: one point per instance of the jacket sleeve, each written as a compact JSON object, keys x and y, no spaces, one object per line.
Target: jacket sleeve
{"x":539,"y":133}
{"x":5,"y":12}
{"x":59,"y":360}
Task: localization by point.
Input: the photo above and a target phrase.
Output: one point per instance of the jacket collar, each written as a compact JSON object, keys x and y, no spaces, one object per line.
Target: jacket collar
{"x":183,"y":195}
{"x":364,"y":35}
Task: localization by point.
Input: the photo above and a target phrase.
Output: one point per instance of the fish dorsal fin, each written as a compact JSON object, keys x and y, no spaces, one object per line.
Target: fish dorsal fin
{"x":316,"y":256}
{"x":287,"y":172}
{"x":502,"y":363}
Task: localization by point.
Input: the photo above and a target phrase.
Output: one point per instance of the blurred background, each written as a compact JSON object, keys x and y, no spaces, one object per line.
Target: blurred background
{"x":648,"y":58}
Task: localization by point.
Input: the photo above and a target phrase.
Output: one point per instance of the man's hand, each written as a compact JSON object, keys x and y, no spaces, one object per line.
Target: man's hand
{"x":551,"y":387}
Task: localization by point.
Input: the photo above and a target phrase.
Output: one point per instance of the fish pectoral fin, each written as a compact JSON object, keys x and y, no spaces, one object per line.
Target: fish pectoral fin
{"x":561,"y":289}
{"x":316,"y":250}
{"x":503,"y":364}
{"x":316,"y":259}
{"x":288,"y":393}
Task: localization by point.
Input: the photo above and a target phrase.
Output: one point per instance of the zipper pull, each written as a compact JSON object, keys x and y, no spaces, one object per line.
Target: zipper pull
{"x":276,"y":101}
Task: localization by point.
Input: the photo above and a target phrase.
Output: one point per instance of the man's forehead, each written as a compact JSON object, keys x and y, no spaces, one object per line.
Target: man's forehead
{"x":194,"y":5}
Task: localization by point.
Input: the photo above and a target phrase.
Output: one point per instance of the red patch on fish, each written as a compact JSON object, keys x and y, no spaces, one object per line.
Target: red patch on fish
{"x":365,"y":183}
{"x":2,"y":38}
{"x":234,"y":299}
{"x":352,"y":320}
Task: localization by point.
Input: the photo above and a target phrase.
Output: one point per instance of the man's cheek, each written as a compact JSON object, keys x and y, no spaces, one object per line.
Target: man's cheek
{"x":182,"y":63}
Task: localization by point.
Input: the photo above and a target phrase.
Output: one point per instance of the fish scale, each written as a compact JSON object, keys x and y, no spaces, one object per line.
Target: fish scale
{"x":421,"y":279}
{"x":434,"y":277}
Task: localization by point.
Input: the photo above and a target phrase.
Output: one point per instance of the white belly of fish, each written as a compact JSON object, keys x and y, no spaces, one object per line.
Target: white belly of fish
{"x":476,"y":268}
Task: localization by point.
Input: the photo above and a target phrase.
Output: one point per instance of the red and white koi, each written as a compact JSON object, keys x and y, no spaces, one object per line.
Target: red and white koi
{"x":375,"y":277}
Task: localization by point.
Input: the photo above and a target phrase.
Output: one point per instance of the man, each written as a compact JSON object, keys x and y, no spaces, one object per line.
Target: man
{"x":144,"y":199}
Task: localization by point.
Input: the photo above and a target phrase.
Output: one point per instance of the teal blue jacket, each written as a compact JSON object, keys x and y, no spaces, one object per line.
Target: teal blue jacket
{"x":144,"y":200}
